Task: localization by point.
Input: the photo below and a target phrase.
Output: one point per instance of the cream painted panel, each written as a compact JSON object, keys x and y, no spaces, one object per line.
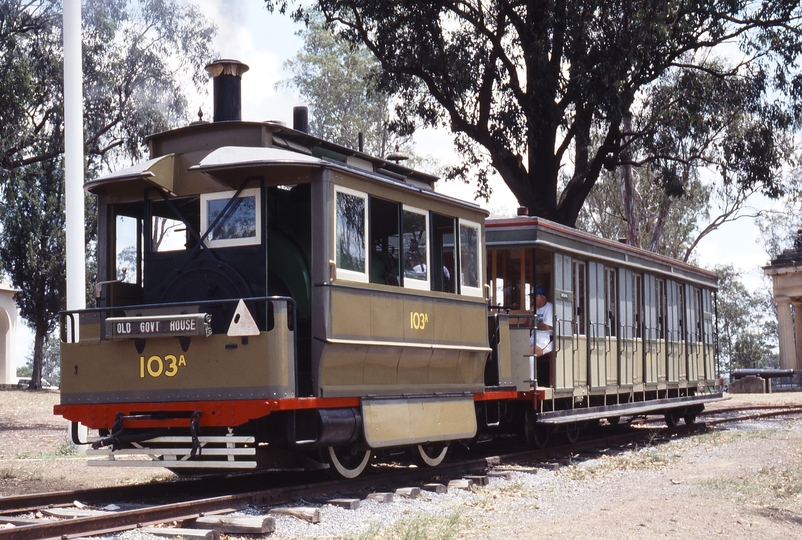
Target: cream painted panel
{"x":396,"y":422}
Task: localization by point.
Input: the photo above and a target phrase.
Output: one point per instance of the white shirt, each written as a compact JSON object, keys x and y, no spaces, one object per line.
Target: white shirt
{"x":544,"y":337}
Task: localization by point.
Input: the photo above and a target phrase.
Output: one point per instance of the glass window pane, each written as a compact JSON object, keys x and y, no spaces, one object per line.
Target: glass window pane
{"x":415,"y":252}
{"x":469,"y":255}
{"x":168,"y":234}
{"x":126,"y":249}
{"x":238,"y":222}
{"x":384,"y":241}
{"x":442,"y":253}
{"x":350,"y":232}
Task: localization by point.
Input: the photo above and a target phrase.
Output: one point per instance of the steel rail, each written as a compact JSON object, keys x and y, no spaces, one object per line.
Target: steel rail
{"x":129,"y":519}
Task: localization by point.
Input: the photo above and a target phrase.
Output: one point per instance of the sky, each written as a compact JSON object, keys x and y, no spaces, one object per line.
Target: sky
{"x":249,"y":33}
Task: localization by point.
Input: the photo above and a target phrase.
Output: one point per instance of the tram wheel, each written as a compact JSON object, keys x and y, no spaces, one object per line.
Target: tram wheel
{"x":347,"y":461}
{"x":572,"y":433}
{"x":429,"y":454}
{"x":672,"y":417}
{"x":690,"y":418}
{"x":614,"y":420}
{"x":537,"y":435}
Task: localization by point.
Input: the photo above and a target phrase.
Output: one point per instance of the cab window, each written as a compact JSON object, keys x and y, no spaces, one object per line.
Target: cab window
{"x":127,"y":252}
{"x":228,"y":219}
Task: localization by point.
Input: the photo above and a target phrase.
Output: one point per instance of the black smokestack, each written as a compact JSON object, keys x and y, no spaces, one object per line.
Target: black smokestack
{"x":300,"y":119}
{"x":227,"y":89}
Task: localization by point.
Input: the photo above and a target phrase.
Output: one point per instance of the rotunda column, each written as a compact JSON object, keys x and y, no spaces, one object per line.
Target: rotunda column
{"x":785,"y":327}
{"x":797,"y":303}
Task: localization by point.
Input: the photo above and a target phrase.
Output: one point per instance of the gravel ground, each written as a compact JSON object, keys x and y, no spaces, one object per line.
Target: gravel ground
{"x":741,"y":481}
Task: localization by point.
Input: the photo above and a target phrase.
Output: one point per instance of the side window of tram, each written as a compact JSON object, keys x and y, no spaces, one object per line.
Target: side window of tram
{"x":384,"y":241}
{"x":350,"y":239}
{"x":470,"y":258}
{"x":637,"y":305}
{"x":660,"y":307}
{"x":127,"y":254}
{"x":443,"y":254}
{"x":416,"y":248}
{"x":579,"y":296}
{"x":611,"y":302}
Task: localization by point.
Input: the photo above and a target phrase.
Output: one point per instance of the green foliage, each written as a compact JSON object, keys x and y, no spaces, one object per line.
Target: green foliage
{"x":25,"y":371}
{"x":779,"y":227}
{"x":752,"y":350}
{"x":51,"y":360}
{"x":133,"y":53}
{"x":339,"y":82}
{"x":746,"y":324}
{"x":666,"y":223}
{"x":536,"y":90}
{"x":419,"y":527}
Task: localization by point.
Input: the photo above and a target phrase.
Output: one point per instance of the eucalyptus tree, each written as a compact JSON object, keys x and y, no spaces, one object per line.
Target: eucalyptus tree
{"x":134,"y":55}
{"x":524,"y":85}
{"x":339,"y":82}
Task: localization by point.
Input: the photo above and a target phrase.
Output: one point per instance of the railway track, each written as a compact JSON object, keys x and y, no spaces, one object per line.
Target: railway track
{"x":188,"y":500}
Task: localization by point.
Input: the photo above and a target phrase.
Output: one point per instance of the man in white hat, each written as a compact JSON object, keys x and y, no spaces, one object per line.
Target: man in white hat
{"x":540,"y":341}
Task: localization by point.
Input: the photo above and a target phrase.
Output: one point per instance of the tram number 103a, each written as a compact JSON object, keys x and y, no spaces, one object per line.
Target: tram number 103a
{"x":156,"y":366}
{"x":417,"y":320}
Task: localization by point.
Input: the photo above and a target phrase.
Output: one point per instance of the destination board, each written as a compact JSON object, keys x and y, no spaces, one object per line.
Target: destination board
{"x":192,"y":324}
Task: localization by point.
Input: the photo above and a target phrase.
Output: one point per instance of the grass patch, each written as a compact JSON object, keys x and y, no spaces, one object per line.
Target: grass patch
{"x":769,"y":486}
{"x":488,"y":498}
{"x":718,"y":438}
{"x":648,"y":458}
{"x":8,"y":474}
{"x":67,"y":449}
{"x":418,"y":527}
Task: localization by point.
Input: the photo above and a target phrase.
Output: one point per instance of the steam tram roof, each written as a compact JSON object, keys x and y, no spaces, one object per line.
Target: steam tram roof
{"x":191,"y":160}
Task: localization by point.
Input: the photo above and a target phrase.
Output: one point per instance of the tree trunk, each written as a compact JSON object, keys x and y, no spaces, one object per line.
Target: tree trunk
{"x":628,"y":191}
{"x":38,"y":345}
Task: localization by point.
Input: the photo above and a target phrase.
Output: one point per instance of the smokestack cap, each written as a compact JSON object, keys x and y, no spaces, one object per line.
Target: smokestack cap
{"x":227,"y":89}
{"x":226,"y":66}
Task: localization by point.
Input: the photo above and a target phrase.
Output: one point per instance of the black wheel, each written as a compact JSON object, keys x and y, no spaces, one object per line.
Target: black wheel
{"x":347,"y":461}
{"x":429,"y":454}
{"x":572,"y":433}
{"x":614,"y":420}
{"x":537,"y":435}
{"x":673,"y":416}
{"x":689,"y":417}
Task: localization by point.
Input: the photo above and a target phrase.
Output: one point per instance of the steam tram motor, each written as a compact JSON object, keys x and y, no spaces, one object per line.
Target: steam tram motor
{"x":267,"y":299}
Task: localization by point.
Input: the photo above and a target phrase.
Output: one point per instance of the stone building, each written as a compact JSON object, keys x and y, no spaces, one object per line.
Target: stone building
{"x":8,"y":330}
{"x":786,"y":277}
